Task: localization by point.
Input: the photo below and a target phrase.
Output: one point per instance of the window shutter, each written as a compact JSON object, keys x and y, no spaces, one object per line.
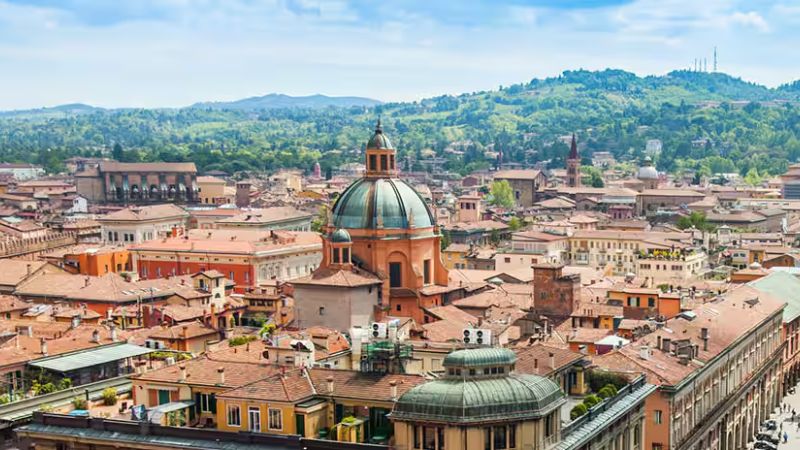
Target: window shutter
{"x":212,"y":403}
{"x":197,"y":400}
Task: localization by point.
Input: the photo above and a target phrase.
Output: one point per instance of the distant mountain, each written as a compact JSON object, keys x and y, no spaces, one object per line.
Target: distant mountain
{"x":278,"y":101}
{"x":60,"y":110}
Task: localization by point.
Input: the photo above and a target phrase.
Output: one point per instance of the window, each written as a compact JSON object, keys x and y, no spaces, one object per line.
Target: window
{"x":254,"y":419}
{"x":345,"y":255}
{"x":321,"y":310}
{"x":428,"y":438}
{"x":373,"y":163}
{"x":426,"y":269}
{"x":208,"y":403}
{"x":499,"y":438}
{"x":336,"y":256}
{"x":275,"y":419}
{"x":487,"y":438}
{"x":415,"y":430}
{"x":512,"y":436}
{"x":395,"y":274}
{"x":234,"y":416}
{"x":398,"y":308}
{"x":384,"y":163}
{"x":657,"y":417}
{"x":230,"y":275}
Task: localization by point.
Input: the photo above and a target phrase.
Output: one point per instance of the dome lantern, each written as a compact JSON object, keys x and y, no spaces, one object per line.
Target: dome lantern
{"x":380,"y":156}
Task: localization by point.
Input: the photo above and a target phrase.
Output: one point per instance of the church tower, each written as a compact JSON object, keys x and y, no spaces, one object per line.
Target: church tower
{"x":573,"y":165}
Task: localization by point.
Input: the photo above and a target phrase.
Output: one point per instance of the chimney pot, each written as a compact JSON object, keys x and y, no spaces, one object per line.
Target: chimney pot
{"x":552,"y":360}
{"x":393,"y":385}
{"x":43,"y":344}
{"x":221,"y":372}
{"x":183,"y":372}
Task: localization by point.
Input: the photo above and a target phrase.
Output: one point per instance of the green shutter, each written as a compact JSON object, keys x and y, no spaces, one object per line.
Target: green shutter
{"x":212,"y":403}
{"x":197,"y":400}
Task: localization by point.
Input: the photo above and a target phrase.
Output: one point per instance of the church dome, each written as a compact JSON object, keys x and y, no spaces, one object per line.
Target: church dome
{"x":466,"y":398}
{"x":340,"y":236}
{"x":381,"y":203}
{"x":647,"y":171}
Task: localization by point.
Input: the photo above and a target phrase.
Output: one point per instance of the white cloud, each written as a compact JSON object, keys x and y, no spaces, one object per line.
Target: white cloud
{"x":750,"y":19}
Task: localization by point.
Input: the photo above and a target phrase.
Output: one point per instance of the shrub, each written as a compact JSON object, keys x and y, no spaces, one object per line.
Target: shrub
{"x":64,"y":383}
{"x":46,"y":408}
{"x":606,"y":392}
{"x":241,"y":340}
{"x":591,"y":400}
{"x":179,"y":356}
{"x":79,"y":403}
{"x":612,"y":388}
{"x":579,"y":410}
{"x":598,"y":379}
{"x":110,"y":396}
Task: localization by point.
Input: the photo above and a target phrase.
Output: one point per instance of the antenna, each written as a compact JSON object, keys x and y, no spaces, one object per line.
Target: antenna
{"x":715,"y":58}
{"x":705,"y":64}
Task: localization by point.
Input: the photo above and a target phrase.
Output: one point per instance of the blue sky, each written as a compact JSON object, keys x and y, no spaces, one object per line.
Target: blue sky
{"x":149,"y":53}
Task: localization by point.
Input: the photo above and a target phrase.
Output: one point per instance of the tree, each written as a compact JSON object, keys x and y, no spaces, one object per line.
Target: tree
{"x":697,"y":220}
{"x":752,"y":177}
{"x":514,"y":224}
{"x":117,"y":152}
{"x":501,"y":194}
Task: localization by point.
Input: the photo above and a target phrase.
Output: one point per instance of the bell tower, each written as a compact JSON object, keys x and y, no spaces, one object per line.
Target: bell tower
{"x":380,"y":157}
{"x":573,"y":165}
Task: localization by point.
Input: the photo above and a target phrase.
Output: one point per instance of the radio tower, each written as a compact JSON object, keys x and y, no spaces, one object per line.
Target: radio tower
{"x":715,"y":58}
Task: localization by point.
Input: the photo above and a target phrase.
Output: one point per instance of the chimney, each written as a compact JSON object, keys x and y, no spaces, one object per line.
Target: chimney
{"x":644,"y":352}
{"x":86,"y":282}
{"x":330,"y":384}
{"x":704,"y":337}
{"x":185,"y":332}
{"x":665,"y":344}
{"x":552,"y":360}
{"x":43,"y":344}
{"x":393,"y":385}
{"x":113,"y":332}
{"x":183,"y":373}
{"x":535,"y":363}
{"x":96,"y":336}
{"x":76,"y":321}
{"x":658,"y":344}
{"x":29,"y":269}
{"x":221,"y":372}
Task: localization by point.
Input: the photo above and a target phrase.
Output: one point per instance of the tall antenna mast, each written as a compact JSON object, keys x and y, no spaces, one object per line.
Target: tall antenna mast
{"x":715,"y":58}
{"x":705,"y":64}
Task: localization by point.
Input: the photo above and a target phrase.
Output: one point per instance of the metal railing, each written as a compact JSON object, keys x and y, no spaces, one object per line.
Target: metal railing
{"x":22,"y":410}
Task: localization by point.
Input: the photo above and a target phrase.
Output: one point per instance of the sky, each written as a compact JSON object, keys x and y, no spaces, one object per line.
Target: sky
{"x":172,"y":53}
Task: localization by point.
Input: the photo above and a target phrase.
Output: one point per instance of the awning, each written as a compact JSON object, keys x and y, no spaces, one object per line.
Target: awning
{"x":155,"y":414}
{"x":89,"y":358}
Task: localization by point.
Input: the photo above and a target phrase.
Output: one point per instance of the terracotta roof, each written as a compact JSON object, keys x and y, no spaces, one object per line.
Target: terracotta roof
{"x":114,"y":166}
{"x":80,"y":312}
{"x":145,"y":213}
{"x":10,"y":303}
{"x":539,"y":236}
{"x":204,"y":371}
{"x":535,"y":359}
{"x":237,"y":241}
{"x":728,"y":318}
{"x":338,"y":278}
{"x":183,"y":331}
{"x":13,"y":271}
{"x":362,"y":385}
{"x":522,"y":174}
{"x":289,"y":387}
{"x":266,"y":215}
{"x":106,"y":288}
{"x":476,"y":226}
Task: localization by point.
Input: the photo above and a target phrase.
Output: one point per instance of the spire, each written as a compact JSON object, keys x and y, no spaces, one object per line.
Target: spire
{"x":378,"y":128}
{"x":573,"y":148}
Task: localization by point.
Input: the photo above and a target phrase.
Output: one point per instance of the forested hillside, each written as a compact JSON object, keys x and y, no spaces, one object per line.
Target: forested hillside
{"x":741,"y":126}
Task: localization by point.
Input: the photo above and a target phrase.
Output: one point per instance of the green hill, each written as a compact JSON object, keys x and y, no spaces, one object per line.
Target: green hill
{"x":711,"y":122}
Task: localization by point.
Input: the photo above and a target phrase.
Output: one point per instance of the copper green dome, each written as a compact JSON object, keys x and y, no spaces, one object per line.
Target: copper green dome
{"x":469,"y":401}
{"x":480,"y":357}
{"x":340,"y":236}
{"x":381,"y":203}
{"x":379,"y":140}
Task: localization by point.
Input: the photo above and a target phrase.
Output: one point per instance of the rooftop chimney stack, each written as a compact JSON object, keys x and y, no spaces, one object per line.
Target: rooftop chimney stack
{"x":330,"y":384}
{"x":43,"y":344}
{"x":644,"y":352}
{"x":393,"y":385}
{"x":535,"y":363}
{"x":221,"y":372}
{"x":183,"y":373}
{"x":552,"y":360}
{"x":96,"y":336}
{"x":704,"y":337}
{"x":113,"y":332}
